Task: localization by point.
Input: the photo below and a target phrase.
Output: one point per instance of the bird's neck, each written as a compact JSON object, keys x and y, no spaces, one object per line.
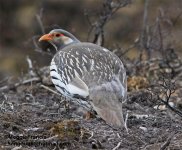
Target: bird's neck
{"x":61,"y":44}
{"x":68,"y":41}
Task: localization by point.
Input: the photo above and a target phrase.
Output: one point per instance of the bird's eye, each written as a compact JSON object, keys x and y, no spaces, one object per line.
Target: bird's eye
{"x":57,"y":35}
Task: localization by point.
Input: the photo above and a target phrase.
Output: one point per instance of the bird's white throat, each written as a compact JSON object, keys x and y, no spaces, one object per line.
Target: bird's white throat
{"x":68,"y":41}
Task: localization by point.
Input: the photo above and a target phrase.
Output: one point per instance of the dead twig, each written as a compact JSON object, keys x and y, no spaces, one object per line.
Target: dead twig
{"x":17,"y":147}
{"x":13,"y":86}
{"x":92,"y":134}
{"x":127,"y":50}
{"x":117,"y":147}
{"x":30,"y":67}
{"x":35,"y":38}
{"x":39,"y":20}
{"x":177,"y":18}
{"x":166,"y":88}
{"x":34,"y":104}
{"x":50,"y":90}
{"x":166,"y":144}
{"x":5,"y":105}
{"x":2,"y":106}
{"x":172,"y":108}
{"x":144,"y":37}
{"x":158,"y":23}
{"x":109,"y":8}
{"x":4,"y":80}
{"x":125,"y":122}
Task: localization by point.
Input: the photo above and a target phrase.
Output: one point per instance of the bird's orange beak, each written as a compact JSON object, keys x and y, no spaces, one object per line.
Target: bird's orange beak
{"x":46,"y":37}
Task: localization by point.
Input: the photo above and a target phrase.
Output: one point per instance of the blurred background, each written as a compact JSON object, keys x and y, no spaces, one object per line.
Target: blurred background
{"x":19,"y":24}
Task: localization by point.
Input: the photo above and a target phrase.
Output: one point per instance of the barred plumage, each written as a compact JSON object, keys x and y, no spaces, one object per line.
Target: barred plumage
{"x":90,"y":75}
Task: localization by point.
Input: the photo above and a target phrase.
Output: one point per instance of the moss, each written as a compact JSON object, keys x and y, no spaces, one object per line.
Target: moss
{"x":67,"y":129}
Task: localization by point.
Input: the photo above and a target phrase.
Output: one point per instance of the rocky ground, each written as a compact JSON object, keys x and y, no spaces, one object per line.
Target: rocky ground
{"x":34,"y":117}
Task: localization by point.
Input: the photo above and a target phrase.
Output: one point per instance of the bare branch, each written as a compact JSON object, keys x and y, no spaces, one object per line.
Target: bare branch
{"x":166,"y":87}
{"x":109,"y":8}
{"x":169,"y":106}
{"x":143,"y":36}
{"x":177,"y":18}
{"x":50,"y":90}
{"x":39,"y":20}
{"x":125,"y":122}
{"x":117,"y":147}
{"x":30,"y":67}
{"x":166,"y":144}
{"x":12,"y":86}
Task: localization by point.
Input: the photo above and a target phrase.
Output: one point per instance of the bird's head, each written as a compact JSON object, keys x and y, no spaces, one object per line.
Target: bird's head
{"x":59,"y":38}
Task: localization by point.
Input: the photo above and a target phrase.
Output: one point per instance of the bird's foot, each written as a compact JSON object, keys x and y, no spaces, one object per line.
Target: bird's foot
{"x":89,"y":115}
{"x":67,"y":106}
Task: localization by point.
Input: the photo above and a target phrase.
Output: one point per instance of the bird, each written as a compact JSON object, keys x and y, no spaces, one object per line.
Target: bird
{"x":88,"y":74}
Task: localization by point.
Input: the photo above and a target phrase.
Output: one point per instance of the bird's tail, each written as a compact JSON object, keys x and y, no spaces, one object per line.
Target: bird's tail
{"x":108,"y":107}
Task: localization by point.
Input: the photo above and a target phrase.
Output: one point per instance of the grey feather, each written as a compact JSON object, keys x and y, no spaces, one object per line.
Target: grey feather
{"x":98,"y":70}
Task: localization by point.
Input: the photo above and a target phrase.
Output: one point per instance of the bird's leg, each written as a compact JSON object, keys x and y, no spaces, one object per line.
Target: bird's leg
{"x":67,"y":108}
{"x":66,"y":105}
{"x":90,"y":114}
{"x":89,"y":111}
{"x":60,"y":102}
{"x":63,"y":102}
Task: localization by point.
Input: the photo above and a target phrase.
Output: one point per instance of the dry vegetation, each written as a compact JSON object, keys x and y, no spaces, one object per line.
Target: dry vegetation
{"x":34,"y":116}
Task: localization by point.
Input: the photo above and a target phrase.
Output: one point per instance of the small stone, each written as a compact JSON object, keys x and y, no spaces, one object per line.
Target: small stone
{"x":144,"y":129}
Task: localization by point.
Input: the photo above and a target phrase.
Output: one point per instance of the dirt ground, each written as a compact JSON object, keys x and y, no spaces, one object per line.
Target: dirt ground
{"x":33,"y":118}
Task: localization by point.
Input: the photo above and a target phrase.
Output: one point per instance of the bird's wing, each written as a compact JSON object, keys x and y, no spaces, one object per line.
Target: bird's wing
{"x":106,"y":97}
{"x":70,"y":71}
{"x":78,"y":88}
{"x":106,"y":94}
{"x":105,"y":68}
{"x":107,"y":105}
{"x":109,"y":86}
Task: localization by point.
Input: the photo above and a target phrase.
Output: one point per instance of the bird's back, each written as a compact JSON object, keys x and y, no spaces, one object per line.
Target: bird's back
{"x":93,"y":64}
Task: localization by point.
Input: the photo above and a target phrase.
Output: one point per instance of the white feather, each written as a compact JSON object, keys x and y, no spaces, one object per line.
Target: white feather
{"x":106,"y":50}
{"x":75,"y":90}
{"x":68,"y":41}
{"x":77,"y":86}
{"x":55,"y":74}
{"x":92,"y":64}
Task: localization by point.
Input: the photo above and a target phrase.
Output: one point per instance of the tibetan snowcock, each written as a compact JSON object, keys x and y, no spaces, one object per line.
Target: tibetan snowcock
{"x":88,"y":74}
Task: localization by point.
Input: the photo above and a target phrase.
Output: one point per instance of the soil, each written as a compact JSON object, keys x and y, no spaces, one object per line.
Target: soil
{"x":33,"y":118}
